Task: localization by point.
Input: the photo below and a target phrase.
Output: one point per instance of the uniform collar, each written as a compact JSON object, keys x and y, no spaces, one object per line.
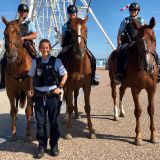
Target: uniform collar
{"x":27,"y":19}
{"x":133,"y":17}
{"x":47,"y":60}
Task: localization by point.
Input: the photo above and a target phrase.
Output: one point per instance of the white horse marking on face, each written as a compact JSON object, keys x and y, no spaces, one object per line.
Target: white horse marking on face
{"x":79,"y":33}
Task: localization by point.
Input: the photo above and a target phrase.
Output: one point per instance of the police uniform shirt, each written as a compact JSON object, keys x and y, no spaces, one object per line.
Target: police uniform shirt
{"x":64,"y":28}
{"x":125,"y":22}
{"x":58,"y":68}
{"x":31,"y":25}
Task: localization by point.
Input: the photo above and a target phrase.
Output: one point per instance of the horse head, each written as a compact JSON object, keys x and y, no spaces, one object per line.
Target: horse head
{"x":146,"y":43}
{"x":12,"y":39}
{"x":79,"y":36}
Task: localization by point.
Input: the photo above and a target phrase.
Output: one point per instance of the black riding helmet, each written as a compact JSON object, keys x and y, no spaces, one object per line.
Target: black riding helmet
{"x":23,"y":7}
{"x":72,"y":9}
{"x":134,"y":6}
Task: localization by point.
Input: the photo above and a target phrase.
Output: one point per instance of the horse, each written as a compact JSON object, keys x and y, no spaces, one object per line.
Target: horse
{"x":16,"y":74}
{"x":141,"y":73}
{"x":79,"y":73}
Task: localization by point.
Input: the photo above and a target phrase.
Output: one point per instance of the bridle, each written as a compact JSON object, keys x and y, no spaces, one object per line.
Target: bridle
{"x":75,"y":40}
{"x":18,"y":44}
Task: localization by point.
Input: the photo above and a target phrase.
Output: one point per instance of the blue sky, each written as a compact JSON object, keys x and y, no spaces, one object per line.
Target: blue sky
{"x":109,"y":15}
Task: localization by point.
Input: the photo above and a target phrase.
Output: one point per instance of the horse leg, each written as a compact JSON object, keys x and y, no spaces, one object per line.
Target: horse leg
{"x":121,"y":94}
{"x":13,"y":113}
{"x":114,"y":95}
{"x":137,"y":112}
{"x":151,"y":93}
{"x":76,"y":93}
{"x":29,"y":111}
{"x":69,"y":102}
{"x":17,"y":100}
{"x":87,"y":107}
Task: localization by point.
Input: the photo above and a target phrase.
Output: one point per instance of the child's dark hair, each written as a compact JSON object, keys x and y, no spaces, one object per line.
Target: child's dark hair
{"x":45,"y":41}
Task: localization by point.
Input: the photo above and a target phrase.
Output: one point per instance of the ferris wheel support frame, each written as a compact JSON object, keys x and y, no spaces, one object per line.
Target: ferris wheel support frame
{"x":98,"y":23}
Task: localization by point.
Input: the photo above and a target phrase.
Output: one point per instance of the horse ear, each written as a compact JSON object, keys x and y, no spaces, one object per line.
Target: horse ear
{"x":152,"y":23}
{"x":136,"y":26}
{"x":86,"y":19}
{"x":4,"y":20}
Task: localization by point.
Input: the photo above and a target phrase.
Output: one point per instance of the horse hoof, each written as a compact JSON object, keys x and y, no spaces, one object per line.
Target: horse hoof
{"x":28,"y":139}
{"x":93,"y":136}
{"x":68,"y":136}
{"x":122,"y":115}
{"x":13,"y":138}
{"x":154,"y":140}
{"x":138,"y":142}
{"x":116,"y":118}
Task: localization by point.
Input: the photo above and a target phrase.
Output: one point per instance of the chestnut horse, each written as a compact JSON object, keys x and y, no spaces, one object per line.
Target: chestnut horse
{"x":141,"y":73}
{"x":16,"y":78}
{"x":79,"y":73}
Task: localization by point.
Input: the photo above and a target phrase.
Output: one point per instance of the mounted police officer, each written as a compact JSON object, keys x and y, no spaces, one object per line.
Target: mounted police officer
{"x":67,"y":42}
{"x":28,"y":34}
{"x":126,"y":36}
{"x":47,"y":77}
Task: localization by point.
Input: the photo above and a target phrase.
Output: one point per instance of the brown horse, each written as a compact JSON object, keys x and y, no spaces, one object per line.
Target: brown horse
{"x":141,"y":73}
{"x":17,"y":80}
{"x":79,"y":73}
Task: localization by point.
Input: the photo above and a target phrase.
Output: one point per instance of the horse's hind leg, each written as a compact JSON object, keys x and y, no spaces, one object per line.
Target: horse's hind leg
{"x":121,"y":94}
{"x":137,"y":112}
{"x":151,"y":93}
{"x":29,"y":111}
{"x":114,"y":95}
{"x":13,"y":113}
{"x":87,"y":107}
{"x":76,"y":93}
{"x":69,"y":99}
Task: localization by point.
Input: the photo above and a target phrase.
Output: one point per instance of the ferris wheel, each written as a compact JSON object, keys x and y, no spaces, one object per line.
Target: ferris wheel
{"x":50,"y":15}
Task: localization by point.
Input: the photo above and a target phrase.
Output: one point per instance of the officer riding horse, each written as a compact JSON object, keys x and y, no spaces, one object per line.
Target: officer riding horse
{"x":141,"y":73}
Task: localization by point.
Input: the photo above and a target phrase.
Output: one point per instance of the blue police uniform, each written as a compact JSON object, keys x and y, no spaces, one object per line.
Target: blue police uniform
{"x":128,"y":35}
{"x":127,"y":30}
{"x":126,"y":21}
{"x":47,"y":102}
{"x":31,"y":25}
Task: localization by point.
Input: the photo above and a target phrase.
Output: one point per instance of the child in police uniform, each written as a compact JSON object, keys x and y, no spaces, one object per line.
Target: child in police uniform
{"x":44,"y":75}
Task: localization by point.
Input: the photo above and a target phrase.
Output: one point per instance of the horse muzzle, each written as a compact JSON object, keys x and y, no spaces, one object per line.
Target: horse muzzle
{"x":11,"y":57}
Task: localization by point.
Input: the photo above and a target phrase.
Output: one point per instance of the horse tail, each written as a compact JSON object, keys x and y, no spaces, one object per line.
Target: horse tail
{"x":111,"y":59}
{"x":112,"y":64}
{"x":22,"y":97}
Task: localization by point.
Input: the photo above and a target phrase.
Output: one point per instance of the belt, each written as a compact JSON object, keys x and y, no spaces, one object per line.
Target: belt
{"x":41,"y":94}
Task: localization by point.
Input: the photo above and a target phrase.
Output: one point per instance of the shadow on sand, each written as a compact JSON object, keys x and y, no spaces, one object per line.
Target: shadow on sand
{"x":20,"y":145}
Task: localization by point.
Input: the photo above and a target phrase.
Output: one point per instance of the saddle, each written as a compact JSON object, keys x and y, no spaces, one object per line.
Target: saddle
{"x":122,"y":59}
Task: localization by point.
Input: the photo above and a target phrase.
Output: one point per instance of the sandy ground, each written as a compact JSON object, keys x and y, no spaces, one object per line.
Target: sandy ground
{"x":115,"y":139}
